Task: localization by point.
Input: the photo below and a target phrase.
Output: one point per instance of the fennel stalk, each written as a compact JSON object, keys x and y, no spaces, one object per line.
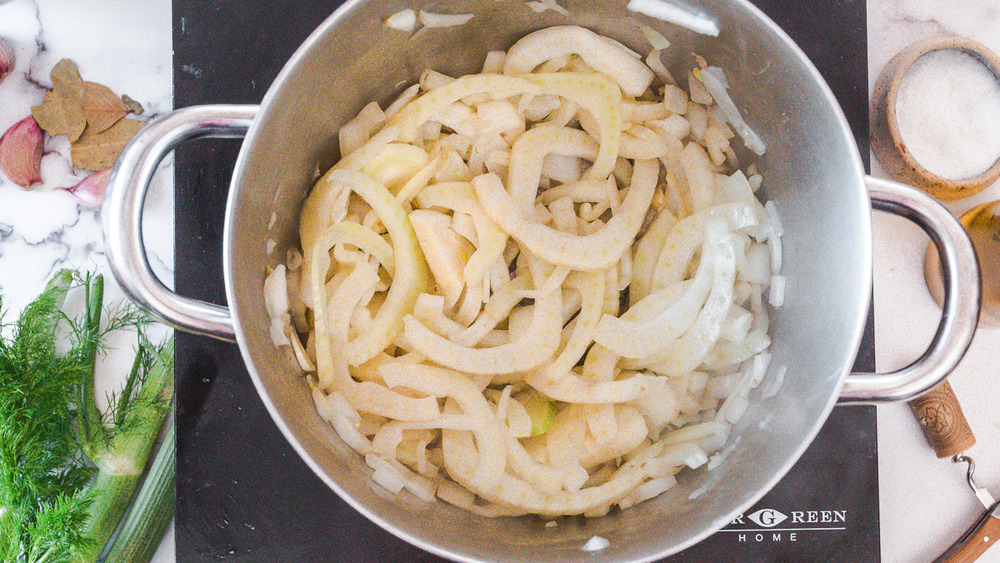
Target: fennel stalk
{"x":68,"y":472}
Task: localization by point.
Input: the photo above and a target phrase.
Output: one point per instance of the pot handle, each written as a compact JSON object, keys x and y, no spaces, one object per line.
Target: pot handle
{"x":960,"y":312}
{"x":121,"y":213}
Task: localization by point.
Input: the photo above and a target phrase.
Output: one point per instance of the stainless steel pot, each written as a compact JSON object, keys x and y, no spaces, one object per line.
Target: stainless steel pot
{"x":813,"y":171}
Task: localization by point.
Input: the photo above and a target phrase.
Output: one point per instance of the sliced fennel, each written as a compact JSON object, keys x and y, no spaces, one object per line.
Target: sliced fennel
{"x":522,"y":288}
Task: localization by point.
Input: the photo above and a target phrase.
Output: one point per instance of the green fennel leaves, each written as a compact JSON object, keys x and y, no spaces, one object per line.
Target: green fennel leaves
{"x":67,"y":471}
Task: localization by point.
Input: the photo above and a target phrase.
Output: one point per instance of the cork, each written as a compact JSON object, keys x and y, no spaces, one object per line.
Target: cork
{"x":943,"y":421}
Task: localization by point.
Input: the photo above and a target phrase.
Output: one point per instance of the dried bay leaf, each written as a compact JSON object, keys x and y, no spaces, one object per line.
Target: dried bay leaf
{"x":60,"y":115}
{"x":97,"y":151}
{"x":61,"y":112}
{"x":90,"y":114}
{"x":66,"y":79}
{"x":101,"y":106}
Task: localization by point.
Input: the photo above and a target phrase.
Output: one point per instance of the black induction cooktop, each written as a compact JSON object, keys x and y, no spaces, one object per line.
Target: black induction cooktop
{"x":242,"y":492}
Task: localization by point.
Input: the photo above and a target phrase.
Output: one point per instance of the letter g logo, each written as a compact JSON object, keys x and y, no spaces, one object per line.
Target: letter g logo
{"x":767,"y":517}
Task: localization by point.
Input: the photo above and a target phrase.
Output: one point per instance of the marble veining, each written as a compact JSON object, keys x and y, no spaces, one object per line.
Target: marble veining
{"x":117,"y":44}
{"x":126,"y":46}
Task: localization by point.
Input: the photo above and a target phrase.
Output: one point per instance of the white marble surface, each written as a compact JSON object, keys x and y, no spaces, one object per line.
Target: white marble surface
{"x":126,"y":46}
{"x":925,"y":503}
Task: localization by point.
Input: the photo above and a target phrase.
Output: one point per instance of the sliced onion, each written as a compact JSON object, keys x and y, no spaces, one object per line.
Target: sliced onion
{"x":759,"y":368}
{"x":688,"y":351}
{"x":420,"y":110}
{"x":737,"y":325}
{"x":529,"y":153}
{"x":405,"y":97}
{"x":537,"y":47}
{"x":539,"y":221}
{"x":589,"y":252}
{"x":539,"y":6}
{"x":431,"y":19}
{"x":670,"y":12}
{"x":403,"y":20}
{"x":460,"y":197}
{"x":775,"y":384}
{"x":385,"y":474}
{"x":396,"y":164}
{"x":359,"y":130}
{"x":539,"y":344}
{"x":655,"y":62}
{"x":776,"y":297}
{"x":715,"y":80}
{"x":493,"y":63}
{"x":639,"y":340}
{"x":579,"y":191}
{"x":771,"y":208}
{"x":301,"y":356}
{"x":276,"y":303}
{"x":650,"y":489}
{"x":656,"y":39}
{"x":441,"y":382}
{"x":411,"y":270}
{"x":757,"y":265}
{"x":594,"y":544}
{"x":456,"y":495}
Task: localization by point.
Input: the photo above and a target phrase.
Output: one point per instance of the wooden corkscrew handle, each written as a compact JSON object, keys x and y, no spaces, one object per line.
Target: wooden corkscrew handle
{"x":974,"y":543}
{"x":943,"y":422}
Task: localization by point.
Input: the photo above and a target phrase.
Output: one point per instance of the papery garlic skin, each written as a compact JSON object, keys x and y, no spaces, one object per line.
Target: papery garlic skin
{"x":21,"y":153}
{"x":90,"y":191}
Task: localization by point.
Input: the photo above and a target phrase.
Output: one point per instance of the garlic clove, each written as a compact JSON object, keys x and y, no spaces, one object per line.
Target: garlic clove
{"x":6,"y":58}
{"x":21,"y":153}
{"x":90,"y":191}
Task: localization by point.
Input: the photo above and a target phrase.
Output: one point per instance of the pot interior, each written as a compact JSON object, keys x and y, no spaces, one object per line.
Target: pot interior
{"x":811,"y":169}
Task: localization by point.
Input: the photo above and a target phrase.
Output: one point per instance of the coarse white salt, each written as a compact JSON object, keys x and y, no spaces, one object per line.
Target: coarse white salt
{"x":948,"y":109}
